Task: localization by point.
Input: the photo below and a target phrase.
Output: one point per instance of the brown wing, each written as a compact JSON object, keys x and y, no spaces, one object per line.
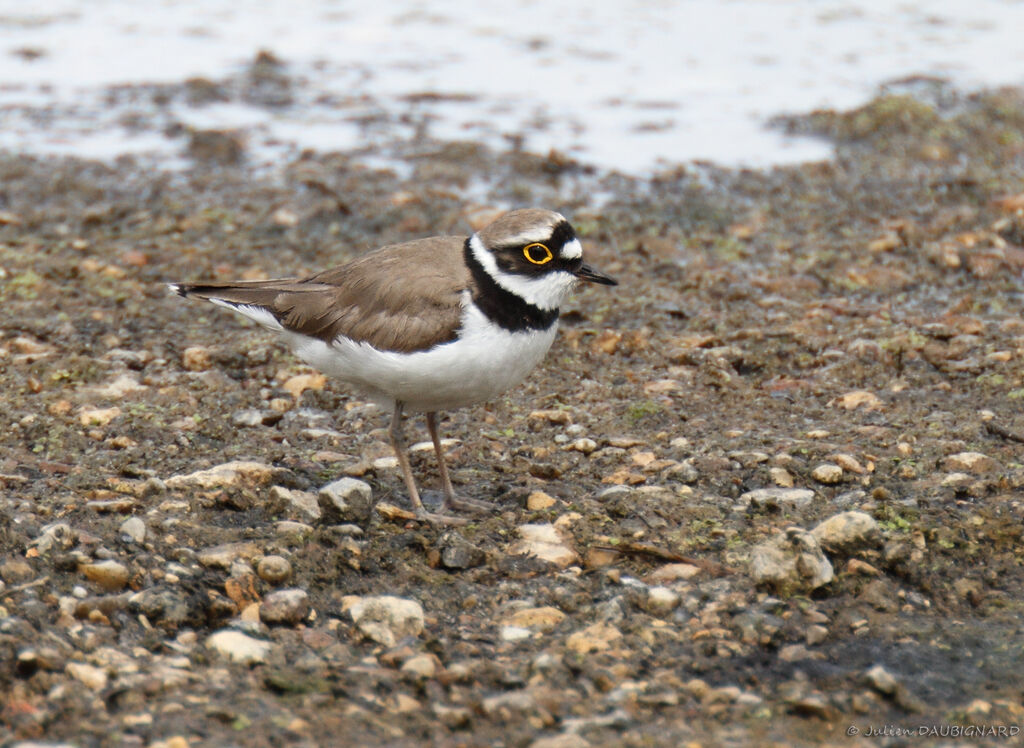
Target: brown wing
{"x":403,"y":297}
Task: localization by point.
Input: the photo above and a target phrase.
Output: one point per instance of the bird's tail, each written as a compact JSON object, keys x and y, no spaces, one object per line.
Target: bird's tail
{"x":253,"y":299}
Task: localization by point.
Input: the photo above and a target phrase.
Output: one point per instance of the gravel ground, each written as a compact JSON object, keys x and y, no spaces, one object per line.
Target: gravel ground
{"x":765,"y":492}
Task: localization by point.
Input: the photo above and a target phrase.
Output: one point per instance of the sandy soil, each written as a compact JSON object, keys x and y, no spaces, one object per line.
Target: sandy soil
{"x":841,"y":339}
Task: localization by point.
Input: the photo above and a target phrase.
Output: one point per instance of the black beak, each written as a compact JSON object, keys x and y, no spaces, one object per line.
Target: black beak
{"x":588,"y":273}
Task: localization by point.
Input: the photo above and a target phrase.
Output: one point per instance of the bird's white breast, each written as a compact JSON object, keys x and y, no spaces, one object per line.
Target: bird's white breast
{"x":483,"y":362}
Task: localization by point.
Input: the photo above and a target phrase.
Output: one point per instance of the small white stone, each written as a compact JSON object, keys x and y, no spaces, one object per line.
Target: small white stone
{"x":583,"y":445}
{"x":660,"y":601}
{"x":781,"y":477}
{"x":134,"y":528}
{"x":546,"y":542}
{"x":285,"y":606}
{"x":386,"y":619}
{"x":881,"y":680}
{"x":421,"y":665}
{"x":970,"y":462}
{"x":110,"y":575}
{"x":238,"y":472}
{"x":301,"y":505}
{"x":237,"y":647}
{"x":118,"y":388}
{"x":346,"y":499}
{"x":847,"y":531}
{"x":89,"y":676}
{"x":274,"y":569}
{"x":778,"y":497}
{"x":791,"y":562}
{"x":827,"y":473}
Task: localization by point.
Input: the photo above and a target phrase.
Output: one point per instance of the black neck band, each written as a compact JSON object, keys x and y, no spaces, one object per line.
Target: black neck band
{"x":502,"y":307}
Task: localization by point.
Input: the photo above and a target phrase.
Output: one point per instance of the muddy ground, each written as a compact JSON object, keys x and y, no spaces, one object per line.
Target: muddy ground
{"x":848,"y":334}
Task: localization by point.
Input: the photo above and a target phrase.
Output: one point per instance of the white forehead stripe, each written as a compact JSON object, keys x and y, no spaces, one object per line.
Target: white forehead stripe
{"x":540,"y":234}
{"x":546,"y":291}
{"x":571,"y":250}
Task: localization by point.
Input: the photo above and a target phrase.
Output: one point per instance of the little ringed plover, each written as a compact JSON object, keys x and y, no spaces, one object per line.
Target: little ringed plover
{"x":426,"y":325}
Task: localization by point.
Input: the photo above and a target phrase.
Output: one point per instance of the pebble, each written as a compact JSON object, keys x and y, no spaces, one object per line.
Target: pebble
{"x":15,"y":570}
{"x":594,"y":638}
{"x":660,"y":601}
{"x":544,"y":618}
{"x":613,"y":493}
{"x":196,"y":358}
{"x":514,"y":634}
{"x":59,"y":535}
{"x":459,"y":553}
{"x":796,"y":653}
{"x":791,"y":562}
{"x":109,"y":575}
{"x":346,"y":499}
{"x":300,"y":505}
{"x":849,"y":463}
{"x":274,"y":569}
{"x":552,"y":416}
{"x":546,"y":542}
{"x":88,"y":675}
{"x":227,"y":475}
{"x":123,"y":385}
{"x":292,"y":530}
{"x":847,"y":532}
{"x":566,"y":740}
{"x":954,"y":479}
{"x":453,"y":717}
{"x":859,"y":399}
{"x":814,"y":706}
{"x":881,"y":680}
{"x":223,"y":556}
{"x":781,"y":477}
{"x":239,"y":647}
{"x":175,"y":741}
{"x":161,"y":604}
{"x":299,"y":383}
{"x":672,"y":573}
{"x":385,"y":619}
{"x":749,"y":459}
{"x":684,"y":472}
{"x":428,"y":446}
{"x":285,"y":606}
{"x":112,"y":506}
{"x":583,"y":445}
{"x":251,"y":417}
{"x":539,"y":500}
{"x":815,"y":634}
{"x":776,"y":497}
{"x":134,"y":528}
{"x":98,"y":416}
{"x":827,"y":473}
{"x":970,"y":462}
{"x":422,"y":666}
{"x":385,"y":463}
{"x":509,"y":705}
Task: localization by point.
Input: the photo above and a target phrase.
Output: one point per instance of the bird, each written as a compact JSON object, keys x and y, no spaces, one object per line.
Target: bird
{"x":427,"y":325}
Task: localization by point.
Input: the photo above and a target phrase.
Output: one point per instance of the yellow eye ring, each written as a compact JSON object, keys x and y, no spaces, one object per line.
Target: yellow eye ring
{"x":544,"y":254}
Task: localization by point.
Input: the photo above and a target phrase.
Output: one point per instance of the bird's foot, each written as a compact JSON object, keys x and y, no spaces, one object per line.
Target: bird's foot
{"x":454,"y":504}
{"x":469,"y":506}
{"x":437,"y":518}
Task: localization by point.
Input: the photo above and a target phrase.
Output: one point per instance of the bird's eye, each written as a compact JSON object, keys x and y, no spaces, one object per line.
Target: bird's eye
{"x":538,"y":254}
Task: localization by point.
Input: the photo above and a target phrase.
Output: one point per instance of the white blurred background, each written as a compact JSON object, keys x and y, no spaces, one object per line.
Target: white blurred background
{"x":633,"y":85}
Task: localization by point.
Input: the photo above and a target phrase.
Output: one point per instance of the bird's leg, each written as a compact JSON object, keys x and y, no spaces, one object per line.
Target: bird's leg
{"x":451,"y":501}
{"x":398,"y":443}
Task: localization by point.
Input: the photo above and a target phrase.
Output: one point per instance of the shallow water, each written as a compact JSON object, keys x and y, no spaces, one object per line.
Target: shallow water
{"x":632,"y":86}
